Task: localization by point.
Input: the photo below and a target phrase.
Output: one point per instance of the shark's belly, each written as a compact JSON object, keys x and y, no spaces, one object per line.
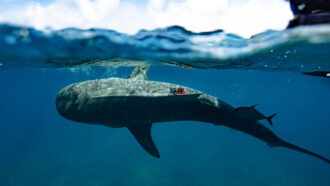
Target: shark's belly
{"x":120,"y":111}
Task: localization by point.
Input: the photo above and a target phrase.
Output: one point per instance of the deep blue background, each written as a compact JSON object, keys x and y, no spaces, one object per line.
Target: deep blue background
{"x":39,"y":147}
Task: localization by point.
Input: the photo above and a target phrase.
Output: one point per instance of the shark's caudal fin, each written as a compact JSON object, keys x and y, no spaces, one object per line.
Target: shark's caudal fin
{"x":294,"y":147}
{"x":142,"y":134}
{"x":269,"y":119}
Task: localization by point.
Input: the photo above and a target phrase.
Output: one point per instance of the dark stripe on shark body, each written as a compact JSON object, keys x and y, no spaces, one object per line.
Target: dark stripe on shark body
{"x":188,"y":97}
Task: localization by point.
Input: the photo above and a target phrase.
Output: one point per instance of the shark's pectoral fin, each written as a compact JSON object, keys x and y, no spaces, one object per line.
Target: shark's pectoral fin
{"x":142,"y":134}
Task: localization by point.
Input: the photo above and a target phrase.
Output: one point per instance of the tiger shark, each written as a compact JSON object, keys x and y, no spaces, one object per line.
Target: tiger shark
{"x":137,"y":103}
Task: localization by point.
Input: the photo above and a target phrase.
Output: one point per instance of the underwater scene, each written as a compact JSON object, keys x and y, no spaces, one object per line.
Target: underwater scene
{"x":42,"y":144}
{"x":164,"y":92}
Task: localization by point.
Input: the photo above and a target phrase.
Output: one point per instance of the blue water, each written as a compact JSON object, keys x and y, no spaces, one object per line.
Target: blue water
{"x":39,"y":147}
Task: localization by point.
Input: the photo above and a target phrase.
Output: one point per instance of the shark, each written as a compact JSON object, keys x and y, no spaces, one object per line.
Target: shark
{"x":137,"y":103}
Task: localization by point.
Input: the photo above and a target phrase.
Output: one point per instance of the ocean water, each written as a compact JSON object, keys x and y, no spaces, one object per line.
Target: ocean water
{"x":39,"y":147}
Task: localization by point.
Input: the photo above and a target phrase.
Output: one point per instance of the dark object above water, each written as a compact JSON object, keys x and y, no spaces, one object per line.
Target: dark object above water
{"x":309,"y":12}
{"x":314,"y":18}
{"x":300,"y":7}
{"x":319,"y":73}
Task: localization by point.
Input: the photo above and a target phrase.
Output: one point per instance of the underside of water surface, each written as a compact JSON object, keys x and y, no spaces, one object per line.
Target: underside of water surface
{"x":301,"y":49}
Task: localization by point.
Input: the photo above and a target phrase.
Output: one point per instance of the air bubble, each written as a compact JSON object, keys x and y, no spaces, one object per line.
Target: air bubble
{"x":11,"y":40}
{"x":24,"y":33}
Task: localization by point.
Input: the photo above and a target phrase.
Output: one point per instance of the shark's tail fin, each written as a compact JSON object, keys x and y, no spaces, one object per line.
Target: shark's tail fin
{"x":269,"y":119}
{"x":294,"y":147}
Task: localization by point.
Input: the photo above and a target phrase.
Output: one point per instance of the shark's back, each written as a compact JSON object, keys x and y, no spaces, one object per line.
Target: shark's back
{"x":129,"y":87}
{"x":126,"y":87}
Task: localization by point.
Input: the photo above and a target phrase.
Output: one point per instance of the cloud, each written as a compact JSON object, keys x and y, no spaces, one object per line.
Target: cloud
{"x":257,"y":15}
{"x":96,"y":10}
{"x":243,"y":17}
{"x":193,"y":14}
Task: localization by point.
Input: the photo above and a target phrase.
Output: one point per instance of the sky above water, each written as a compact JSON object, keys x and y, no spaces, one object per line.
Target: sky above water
{"x":242,"y":17}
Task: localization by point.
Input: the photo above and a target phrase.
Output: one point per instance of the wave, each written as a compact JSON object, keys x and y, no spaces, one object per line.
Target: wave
{"x":303,"y":49}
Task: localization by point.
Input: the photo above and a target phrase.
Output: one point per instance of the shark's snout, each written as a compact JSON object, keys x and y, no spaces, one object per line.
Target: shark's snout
{"x":65,"y":99}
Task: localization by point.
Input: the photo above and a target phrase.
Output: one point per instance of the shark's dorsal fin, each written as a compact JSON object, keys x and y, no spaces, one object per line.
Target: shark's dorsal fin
{"x":142,"y":134}
{"x":253,"y":106}
{"x":139,"y":73}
